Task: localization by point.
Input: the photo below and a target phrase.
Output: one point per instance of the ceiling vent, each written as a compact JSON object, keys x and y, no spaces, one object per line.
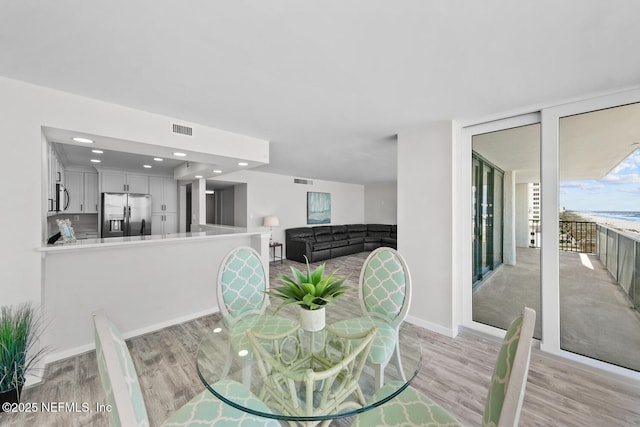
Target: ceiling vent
{"x":302,"y":181}
{"x":181,"y":129}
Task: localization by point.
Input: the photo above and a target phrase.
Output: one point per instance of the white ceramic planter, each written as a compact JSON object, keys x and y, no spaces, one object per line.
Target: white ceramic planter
{"x":312,"y":320}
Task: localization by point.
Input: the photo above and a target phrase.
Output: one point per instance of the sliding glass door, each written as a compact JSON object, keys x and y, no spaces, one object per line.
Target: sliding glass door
{"x":505,"y":273}
{"x":487,"y":218}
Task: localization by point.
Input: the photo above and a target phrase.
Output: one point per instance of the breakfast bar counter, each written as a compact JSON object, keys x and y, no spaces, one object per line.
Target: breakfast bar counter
{"x":145,"y":283}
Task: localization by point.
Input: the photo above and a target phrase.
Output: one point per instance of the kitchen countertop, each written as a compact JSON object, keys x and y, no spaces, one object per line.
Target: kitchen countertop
{"x":210,"y":232}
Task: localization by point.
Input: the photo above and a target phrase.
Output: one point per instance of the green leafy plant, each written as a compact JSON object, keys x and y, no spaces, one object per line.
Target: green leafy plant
{"x":311,"y":289}
{"x":20,"y":328}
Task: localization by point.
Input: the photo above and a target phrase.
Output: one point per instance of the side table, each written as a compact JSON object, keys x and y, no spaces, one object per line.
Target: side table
{"x":272,"y":247}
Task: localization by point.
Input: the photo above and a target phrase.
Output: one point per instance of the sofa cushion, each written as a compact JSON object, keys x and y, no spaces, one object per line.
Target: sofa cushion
{"x":339,"y":243}
{"x":319,"y":246}
{"x":300,"y":233}
{"x":378,"y":230}
{"x":357,"y":230}
{"x":356,"y":240}
{"x":339,"y":229}
{"x":323,"y":234}
{"x":394,"y":232}
{"x":340,"y":233}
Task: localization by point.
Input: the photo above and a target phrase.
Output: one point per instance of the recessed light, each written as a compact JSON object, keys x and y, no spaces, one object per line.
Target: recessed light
{"x":95,"y":161}
{"x":84,"y":140}
{"x":179,"y":154}
{"x":217,"y":171}
{"x":97,"y":151}
{"x":198,"y":176}
{"x":209,"y":192}
{"x":243,"y":164}
{"x":157,"y":159}
{"x":146,"y":166}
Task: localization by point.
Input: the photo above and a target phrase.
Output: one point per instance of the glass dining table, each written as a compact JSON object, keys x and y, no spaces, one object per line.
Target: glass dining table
{"x":225,"y":354}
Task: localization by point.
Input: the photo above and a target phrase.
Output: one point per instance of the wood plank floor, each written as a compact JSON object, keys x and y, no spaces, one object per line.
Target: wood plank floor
{"x":455,"y":373}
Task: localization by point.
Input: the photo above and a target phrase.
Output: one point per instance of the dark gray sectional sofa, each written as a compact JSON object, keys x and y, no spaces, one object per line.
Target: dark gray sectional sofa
{"x":330,"y":241}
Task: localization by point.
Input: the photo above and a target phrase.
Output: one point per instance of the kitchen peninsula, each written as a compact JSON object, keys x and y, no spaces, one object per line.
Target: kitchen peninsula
{"x":145,"y":282}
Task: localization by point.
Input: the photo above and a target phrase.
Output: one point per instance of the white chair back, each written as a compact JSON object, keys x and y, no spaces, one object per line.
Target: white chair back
{"x":118,"y":375}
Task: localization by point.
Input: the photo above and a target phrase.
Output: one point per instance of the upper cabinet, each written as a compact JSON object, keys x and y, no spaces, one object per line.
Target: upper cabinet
{"x":82,"y":192}
{"x":164,"y":194}
{"x":120,"y":182}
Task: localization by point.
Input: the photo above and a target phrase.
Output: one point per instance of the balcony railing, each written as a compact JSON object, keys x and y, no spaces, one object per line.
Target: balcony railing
{"x":620,"y":254}
{"x":618,"y":251}
{"x":575,"y":236}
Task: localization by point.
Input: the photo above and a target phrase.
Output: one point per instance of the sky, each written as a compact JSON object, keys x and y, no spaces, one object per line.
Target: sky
{"x":617,"y":191}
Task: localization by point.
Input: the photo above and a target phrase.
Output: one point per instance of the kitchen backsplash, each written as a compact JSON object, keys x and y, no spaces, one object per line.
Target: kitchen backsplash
{"x":84,"y":225}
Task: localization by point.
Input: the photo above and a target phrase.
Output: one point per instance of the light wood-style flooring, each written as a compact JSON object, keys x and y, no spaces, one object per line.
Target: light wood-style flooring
{"x":455,"y":373}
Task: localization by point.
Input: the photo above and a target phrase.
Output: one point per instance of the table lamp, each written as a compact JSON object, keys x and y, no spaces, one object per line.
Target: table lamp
{"x":271,"y":221}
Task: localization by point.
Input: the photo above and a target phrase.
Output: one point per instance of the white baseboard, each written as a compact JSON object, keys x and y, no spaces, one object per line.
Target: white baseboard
{"x":54,"y":357}
{"x":449,"y":332}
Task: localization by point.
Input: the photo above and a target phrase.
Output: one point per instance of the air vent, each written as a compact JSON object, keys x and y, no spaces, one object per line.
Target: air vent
{"x":302,"y":181}
{"x":181,"y":129}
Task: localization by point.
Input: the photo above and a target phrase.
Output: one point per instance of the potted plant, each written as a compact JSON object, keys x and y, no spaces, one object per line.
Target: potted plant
{"x":312,"y":291}
{"x":20,"y":328}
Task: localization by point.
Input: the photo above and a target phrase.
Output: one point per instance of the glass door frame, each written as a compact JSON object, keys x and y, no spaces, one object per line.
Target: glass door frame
{"x":465,"y":209}
{"x":550,"y":206}
{"x":549,"y":119}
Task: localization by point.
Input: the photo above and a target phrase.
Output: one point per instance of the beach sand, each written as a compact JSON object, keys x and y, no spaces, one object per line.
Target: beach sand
{"x":620,"y":224}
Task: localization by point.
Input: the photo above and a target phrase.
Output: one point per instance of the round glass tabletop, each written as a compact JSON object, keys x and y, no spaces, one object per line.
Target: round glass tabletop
{"x":281,"y":371}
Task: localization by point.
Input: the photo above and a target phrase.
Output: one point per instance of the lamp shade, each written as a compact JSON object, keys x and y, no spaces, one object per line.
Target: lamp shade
{"x":271,"y":221}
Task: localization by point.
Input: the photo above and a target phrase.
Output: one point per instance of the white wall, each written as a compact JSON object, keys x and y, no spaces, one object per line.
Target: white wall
{"x":240,"y":205}
{"x":381,"y":203}
{"x":425,"y":222}
{"x":24,"y":109}
{"x":271,"y":194}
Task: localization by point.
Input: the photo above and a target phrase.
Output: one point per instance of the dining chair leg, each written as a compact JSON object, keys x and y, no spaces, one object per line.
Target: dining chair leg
{"x":246,"y":373}
{"x":378,"y":369}
{"x":397,"y":361}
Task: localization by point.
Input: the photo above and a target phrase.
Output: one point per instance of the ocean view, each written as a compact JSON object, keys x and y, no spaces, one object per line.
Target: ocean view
{"x":627,"y":216}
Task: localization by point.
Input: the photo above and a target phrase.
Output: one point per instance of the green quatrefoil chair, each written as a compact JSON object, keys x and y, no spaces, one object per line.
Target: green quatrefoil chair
{"x":122,"y":390}
{"x":241,"y":287}
{"x":385,"y":296}
{"x":504,"y":399}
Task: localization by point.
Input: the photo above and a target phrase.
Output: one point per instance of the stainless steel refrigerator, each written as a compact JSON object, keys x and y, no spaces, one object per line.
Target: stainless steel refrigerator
{"x":126,"y":214}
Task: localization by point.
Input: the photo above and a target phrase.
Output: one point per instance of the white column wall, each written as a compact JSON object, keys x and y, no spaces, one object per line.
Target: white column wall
{"x":522,"y":215}
{"x":199,"y":201}
{"x":509,"y":236}
{"x":381,"y":203}
{"x":425,"y":222}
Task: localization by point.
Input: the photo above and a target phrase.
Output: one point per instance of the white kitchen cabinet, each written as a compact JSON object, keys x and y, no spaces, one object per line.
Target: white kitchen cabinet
{"x":121,"y":182}
{"x":164,"y":194}
{"x":56,"y":176}
{"x":164,"y":204}
{"x":91,"y":193}
{"x":82,"y":192}
{"x":164,"y":223}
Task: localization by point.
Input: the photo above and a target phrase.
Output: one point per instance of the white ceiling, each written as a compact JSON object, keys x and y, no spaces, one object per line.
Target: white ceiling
{"x":328,"y":83}
{"x":591,"y":145}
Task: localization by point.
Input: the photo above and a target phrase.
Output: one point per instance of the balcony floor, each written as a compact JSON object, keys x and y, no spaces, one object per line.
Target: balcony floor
{"x":597,"y":318}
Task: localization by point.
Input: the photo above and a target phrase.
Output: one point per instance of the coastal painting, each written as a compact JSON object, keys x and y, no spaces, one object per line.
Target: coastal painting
{"x":318,"y":208}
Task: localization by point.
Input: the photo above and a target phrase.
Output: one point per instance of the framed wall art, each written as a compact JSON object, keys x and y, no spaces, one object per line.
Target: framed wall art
{"x":318,"y":208}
